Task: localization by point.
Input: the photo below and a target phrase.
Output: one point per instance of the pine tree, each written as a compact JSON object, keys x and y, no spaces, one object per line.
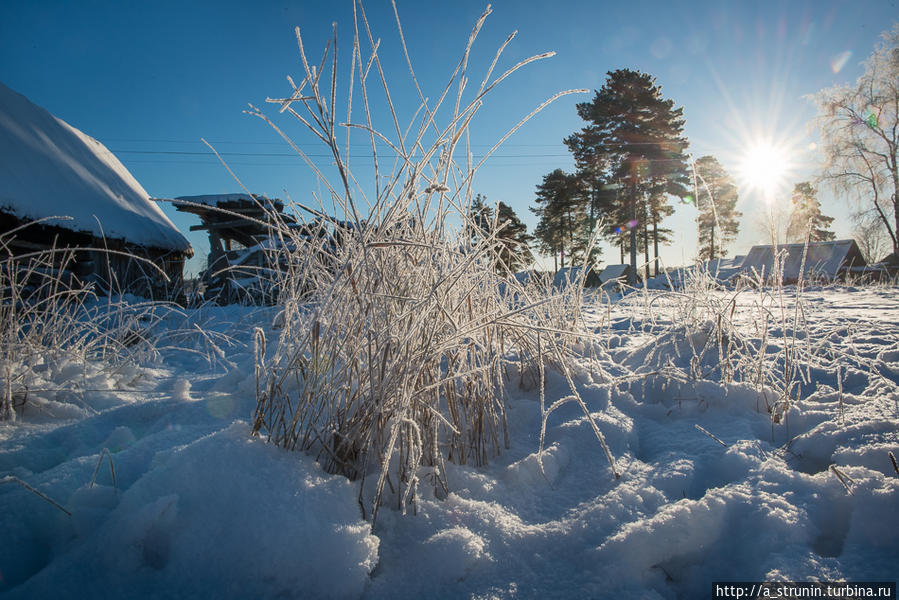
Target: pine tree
{"x":561,"y":209}
{"x":599,"y":198}
{"x":806,"y":220}
{"x":511,"y":236}
{"x":480,"y":218}
{"x":633,"y":140}
{"x":659,"y":209}
{"x":514,"y":253}
{"x":718,"y":219}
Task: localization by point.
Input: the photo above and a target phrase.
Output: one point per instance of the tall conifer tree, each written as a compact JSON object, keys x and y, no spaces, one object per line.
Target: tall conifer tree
{"x":561,"y":208}
{"x":480,"y":218}
{"x":718,"y":220}
{"x":806,"y":219}
{"x":634,"y":142}
{"x":513,"y":236}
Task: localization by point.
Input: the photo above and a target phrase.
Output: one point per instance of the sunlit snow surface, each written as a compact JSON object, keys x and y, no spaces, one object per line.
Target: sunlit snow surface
{"x":200,"y":509}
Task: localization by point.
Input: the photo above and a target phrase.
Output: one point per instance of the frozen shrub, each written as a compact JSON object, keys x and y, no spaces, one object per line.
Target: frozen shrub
{"x":397,"y":358}
{"x":56,"y":332}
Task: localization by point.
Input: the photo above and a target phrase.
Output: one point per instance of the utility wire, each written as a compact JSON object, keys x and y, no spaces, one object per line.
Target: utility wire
{"x":359,"y":145}
{"x":270,"y":154}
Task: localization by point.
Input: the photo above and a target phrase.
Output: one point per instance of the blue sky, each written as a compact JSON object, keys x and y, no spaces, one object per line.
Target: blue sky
{"x":149,"y":80}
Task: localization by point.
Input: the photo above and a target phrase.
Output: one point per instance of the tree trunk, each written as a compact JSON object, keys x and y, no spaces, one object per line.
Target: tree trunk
{"x":632,"y":277}
{"x":570,"y":239}
{"x":645,"y":249}
{"x":562,"y":240}
{"x":655,"y":246}
{"x":896,"y":216}
{"x":894,"y":234}
{"x":894,"y":173}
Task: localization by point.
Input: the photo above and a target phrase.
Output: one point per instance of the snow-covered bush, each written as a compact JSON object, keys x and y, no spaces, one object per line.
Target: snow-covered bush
{"x":397,"y":359}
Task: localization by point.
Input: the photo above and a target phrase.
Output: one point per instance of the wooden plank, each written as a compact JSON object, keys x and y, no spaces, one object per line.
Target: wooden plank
{"x":234,"y":224}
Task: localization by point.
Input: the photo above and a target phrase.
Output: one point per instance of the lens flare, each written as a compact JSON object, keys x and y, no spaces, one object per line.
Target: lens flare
{"x":839,"y":61}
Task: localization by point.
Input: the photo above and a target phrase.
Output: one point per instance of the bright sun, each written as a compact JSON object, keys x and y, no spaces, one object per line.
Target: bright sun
{"x":764,"y":168}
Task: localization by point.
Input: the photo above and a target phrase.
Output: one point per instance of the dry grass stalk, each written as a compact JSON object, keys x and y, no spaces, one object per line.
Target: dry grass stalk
{"x":708,"y":433}
{"x":36,"y":492}
{"x":844,"y":479}
{"x":105,"y":452}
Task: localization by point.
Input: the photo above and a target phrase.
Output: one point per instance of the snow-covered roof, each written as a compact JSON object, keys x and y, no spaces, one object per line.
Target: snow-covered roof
{"x":825,"y":259}
{"x":50,"y":168}
{"x":217,"y":199}
{"x":721,"y":269}
{"x":612,"y":272}
{"x":567,"y":275}
{"x":719,"y":264}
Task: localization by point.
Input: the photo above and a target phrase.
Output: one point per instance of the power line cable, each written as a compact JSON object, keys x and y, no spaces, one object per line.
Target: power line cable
{"x":311,"y":155}
{"x":358,"y":145}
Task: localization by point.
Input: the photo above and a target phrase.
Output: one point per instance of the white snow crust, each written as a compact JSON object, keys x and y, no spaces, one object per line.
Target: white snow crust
{"x":201,"y":509}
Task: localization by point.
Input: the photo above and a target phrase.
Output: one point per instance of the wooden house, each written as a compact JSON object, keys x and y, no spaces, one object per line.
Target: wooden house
{"x":65,"y":197}
{"x":816,"y":262}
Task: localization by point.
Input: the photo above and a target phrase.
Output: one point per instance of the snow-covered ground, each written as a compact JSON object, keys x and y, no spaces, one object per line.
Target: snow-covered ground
{"x":198,"y":508}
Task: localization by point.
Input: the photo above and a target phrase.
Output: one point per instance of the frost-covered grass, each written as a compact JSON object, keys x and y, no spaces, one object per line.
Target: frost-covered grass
{"x":395,"y":358}
{"x":753,"y":332}
{"x":58,"y":338}
{"x":62,"y":342}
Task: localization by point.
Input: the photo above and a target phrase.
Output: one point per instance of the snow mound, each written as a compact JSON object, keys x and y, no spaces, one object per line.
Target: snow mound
{"x":528,"y":472}
{"x":456,"y":550}
{"x":228,"y":509}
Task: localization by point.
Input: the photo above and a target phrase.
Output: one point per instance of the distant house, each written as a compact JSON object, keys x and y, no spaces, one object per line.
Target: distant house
{"x":50,"y":169}
{"x":568,"y":275}
{"x":532,"y":276}
{"x":233,"y":220}
{"x":722,"y":269}
{"x":610,"y":277}
{"x":891,"y":263}
{"x":614,"y":276}
{"x":819,"y":261}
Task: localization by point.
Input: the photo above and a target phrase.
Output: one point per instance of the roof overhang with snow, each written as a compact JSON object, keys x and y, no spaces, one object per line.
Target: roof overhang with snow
{"x":51,"y":169}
